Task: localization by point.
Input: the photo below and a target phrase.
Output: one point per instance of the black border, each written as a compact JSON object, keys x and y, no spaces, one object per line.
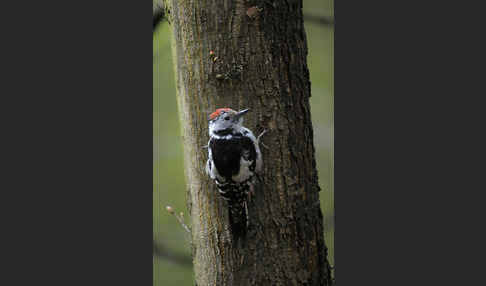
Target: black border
{"x":407,"y":143}
{"x":78,"y":80}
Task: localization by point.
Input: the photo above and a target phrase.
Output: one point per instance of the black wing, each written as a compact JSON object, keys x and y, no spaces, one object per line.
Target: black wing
{"x":228,"y":152}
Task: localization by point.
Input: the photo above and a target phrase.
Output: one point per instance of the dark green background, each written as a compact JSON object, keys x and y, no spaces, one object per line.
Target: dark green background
{"x":169,"y":181}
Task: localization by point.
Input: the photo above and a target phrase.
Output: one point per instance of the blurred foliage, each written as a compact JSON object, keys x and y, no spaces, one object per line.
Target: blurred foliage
{"x":169,"y":186}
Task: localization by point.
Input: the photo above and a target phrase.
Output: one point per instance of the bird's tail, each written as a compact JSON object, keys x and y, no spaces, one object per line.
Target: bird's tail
{"x":238,"y":218}
{"x":236,"y":196}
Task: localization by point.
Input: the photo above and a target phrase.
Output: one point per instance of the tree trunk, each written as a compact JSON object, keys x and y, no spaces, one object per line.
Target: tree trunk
{"x":258,"y":62}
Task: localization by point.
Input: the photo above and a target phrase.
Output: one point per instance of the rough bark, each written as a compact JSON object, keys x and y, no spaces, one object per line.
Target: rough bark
{"x":259,"y":62}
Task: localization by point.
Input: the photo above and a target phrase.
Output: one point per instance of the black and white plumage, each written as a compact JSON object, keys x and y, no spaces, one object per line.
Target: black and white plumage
{"x":234,"y":158}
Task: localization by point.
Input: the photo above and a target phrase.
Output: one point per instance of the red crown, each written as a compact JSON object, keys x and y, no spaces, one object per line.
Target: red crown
{"x":218,"y":112}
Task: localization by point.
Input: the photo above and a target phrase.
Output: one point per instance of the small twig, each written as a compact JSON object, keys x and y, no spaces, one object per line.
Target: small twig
{"x":179,"y":217}
{"x":162,"y":251}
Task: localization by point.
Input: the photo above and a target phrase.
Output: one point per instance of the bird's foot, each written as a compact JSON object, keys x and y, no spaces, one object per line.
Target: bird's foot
{"x":258,"y":138}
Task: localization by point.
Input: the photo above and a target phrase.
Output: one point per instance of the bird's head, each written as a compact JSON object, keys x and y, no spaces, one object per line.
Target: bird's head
{"x":224,"y":121}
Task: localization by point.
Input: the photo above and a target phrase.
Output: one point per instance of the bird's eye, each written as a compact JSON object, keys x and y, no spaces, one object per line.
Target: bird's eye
{"x":227,"y":118}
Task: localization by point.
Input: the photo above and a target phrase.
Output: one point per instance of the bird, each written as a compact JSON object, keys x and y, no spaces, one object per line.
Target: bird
{"x":234,"y":160}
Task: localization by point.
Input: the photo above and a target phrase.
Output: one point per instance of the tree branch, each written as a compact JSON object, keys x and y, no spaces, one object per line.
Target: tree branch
{"x":320,"y":20}
{"x":163,"y":252}
{"x":158,"y":16}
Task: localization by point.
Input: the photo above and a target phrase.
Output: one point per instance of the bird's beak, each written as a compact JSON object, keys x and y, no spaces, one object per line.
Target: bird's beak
{"x":241,"y":113}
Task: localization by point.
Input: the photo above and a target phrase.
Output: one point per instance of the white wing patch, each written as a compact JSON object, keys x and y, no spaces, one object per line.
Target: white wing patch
{"x":259,"y":162}
{"x":245,"y":172}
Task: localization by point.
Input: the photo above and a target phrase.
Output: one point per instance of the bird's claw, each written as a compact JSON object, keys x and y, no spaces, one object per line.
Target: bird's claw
{"x":258,"y":138}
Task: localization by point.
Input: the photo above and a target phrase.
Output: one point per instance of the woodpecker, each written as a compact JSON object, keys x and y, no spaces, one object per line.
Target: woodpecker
{"x":234,"y":159}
